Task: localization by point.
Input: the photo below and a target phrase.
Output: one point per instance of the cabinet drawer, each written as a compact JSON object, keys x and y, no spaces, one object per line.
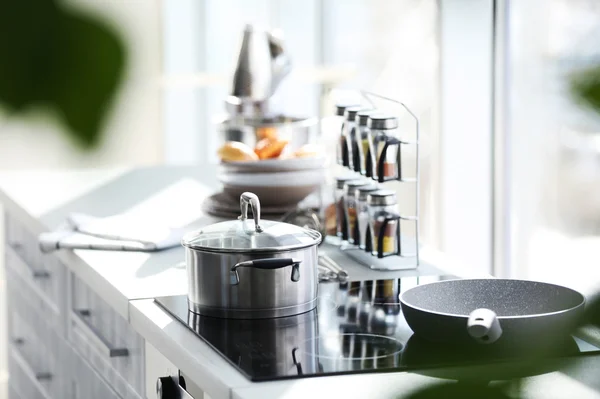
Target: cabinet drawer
{"x":53,"y":316}
{"x":87,"y":383}
{"x":13,"y":393}
{"x":35,"y":347}
{"x":24,"y":242}
{"x":23,"y":380}
{"x":106,"y":340}
{"x":43,"y":274}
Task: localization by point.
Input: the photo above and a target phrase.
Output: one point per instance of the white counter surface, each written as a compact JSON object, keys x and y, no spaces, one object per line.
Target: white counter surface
{"x":126,"y":281}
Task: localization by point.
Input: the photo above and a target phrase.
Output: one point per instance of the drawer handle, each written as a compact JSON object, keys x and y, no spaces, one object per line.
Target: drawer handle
{"x":80,"y":319}
{"x":25,"y":366}
{"x":35,"y":273}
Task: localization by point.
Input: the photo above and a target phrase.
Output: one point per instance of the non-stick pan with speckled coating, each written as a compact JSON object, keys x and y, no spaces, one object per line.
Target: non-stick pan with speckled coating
{"x":491,"y":310}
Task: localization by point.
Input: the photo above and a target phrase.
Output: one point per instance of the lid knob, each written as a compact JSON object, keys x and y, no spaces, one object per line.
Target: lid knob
{"x":248,"y":198}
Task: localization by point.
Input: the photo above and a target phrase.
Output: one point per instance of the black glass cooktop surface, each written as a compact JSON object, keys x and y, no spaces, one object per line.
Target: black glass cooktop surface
{"x":357,"y":327}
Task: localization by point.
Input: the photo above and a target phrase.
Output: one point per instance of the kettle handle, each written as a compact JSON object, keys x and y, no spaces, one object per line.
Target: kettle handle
{"x":248,"y":198}
{"x":275,"y":44}
{"x":281,"y":64}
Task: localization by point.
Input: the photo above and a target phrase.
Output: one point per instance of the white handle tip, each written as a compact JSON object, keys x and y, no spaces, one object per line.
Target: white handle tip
{"x":483,"y":326}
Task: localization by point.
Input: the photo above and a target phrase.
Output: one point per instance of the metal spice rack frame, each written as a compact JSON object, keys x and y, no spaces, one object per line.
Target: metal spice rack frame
{"x":402,"y":260}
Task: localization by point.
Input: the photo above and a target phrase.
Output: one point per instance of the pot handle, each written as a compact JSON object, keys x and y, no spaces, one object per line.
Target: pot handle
{"x":296,"y":362}
{"x":271,"y":264}
{"x":483,"y":326}
{"x":248,"y":198}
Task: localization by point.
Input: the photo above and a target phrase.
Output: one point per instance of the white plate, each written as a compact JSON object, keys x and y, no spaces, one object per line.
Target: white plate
{"x":274,"y":165}
{"x":284,"y":179}
{"x":273,"y":189}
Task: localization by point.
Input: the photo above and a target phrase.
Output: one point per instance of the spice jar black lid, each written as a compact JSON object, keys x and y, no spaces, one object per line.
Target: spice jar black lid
{"x":362,"y":116}
{"x":350,"y":113}
{"x":340,"y":108}
{"x":341,"y":180}
{"x":382,"y":197}
{"x":363,"y":191}
{"x":382,"y":121}
{"x":351,"y":186}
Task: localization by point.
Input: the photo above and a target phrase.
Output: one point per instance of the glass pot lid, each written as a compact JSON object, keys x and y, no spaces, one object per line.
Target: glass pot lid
{"x":247,"y":235}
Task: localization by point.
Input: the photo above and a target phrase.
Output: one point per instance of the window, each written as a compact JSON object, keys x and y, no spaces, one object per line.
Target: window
{"x":550,"y":208}
{"x":510,"y":165}
{"x":387,"y":47}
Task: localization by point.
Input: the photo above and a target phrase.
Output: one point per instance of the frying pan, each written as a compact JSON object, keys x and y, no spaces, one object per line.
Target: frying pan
{"x":485,"y":311}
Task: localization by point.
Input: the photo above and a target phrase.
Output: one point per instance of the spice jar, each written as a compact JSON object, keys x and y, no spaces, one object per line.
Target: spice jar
{"x":384,"y":223}
{"x":340,"y":213}
{"x":362,"y":141}
{"x":364,"y":235}
{"x":352,"y":146}
{"x":351,"y":209}
{"x":384,"y":146}
{"x":342,"y":155}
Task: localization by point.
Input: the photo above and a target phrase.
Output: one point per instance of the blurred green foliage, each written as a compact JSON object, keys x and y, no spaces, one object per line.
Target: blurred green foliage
{"x":59,"y":60}
{"x":585,"y":88}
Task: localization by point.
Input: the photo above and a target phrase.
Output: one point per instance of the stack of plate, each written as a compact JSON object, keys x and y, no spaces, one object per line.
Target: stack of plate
{"x":222,"y":205}
{"x":279,"y":183}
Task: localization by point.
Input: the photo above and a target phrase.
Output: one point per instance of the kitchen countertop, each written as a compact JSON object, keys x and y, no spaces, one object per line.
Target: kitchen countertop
{"x":42,"y":199}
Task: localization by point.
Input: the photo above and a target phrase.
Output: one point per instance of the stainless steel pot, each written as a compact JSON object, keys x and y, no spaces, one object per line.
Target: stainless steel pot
{"x":248,"y":269}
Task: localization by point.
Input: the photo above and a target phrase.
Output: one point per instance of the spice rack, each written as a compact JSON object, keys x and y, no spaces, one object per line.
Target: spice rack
{"x":407,"y":256}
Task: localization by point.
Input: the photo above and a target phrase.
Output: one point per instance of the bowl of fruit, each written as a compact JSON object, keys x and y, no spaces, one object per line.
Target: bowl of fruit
{"x":270,"y":170}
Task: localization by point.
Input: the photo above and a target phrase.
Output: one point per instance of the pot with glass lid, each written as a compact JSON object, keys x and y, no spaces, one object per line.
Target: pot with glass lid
{"x":251,"y":268}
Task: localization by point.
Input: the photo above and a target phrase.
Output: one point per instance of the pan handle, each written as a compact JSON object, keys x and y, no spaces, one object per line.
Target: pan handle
{"x":483,"y":326}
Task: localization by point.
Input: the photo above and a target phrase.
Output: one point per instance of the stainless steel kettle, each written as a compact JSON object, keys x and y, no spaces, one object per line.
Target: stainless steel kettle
{"x":261,"y":66}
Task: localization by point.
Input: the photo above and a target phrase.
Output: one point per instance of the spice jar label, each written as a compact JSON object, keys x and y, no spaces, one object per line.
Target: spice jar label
{"x":389,"y":237}
{"x":388,"y":245}
{"x":351,"y":222}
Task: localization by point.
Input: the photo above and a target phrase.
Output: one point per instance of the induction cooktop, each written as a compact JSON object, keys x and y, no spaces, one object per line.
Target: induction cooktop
{"x":357,"y":327}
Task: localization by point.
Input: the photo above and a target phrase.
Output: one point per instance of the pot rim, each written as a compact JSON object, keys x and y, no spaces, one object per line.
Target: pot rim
{"x":275,"y":121}
{"x":265,"y":250}
{"x":580,"y":305}
{"x":248,"y":199}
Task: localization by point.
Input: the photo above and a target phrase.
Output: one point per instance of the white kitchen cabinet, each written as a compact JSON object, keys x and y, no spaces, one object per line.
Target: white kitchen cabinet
{"x":87,"y":383}
{"x":36,"y":352}
{"x":23,"y":379}
{"x":42,"y":276}
{"x":106,"y":340}
{"x":157,"y":366}
{"x":64,"y":341}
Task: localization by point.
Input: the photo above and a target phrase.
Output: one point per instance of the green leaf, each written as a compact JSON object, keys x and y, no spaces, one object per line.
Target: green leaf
{"x":592,"y":310}
{"x":61,"y":60}
{"x":28,"y":44}
{"x":585,"y":87}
